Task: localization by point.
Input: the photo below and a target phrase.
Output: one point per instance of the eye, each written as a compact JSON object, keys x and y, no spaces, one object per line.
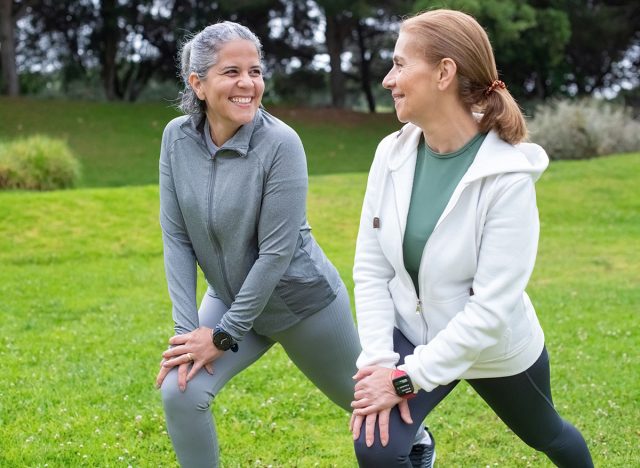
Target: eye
{"x":255,"y":72}
{"x":231,"y":72}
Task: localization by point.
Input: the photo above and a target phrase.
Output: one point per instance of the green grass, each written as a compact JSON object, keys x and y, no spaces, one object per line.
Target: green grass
{"x":118,"y":143}
{"x":85,"y":315}
{"x":84,"y":311}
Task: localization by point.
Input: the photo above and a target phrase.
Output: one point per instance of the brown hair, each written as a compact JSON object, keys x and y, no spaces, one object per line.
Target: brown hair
{"x":458,"y":36}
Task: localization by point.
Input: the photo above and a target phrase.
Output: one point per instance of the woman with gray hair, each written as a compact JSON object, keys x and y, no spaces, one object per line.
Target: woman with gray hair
{"x":233,"y":186}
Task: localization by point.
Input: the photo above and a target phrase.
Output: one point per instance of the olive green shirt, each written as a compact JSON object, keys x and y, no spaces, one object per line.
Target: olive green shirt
{"x":436,"y":177}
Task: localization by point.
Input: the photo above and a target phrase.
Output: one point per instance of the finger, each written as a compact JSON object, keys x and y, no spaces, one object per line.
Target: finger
{"x":176,"y":361}
{"x":351,"y":422}
{"x":357,"y":425}
{"x":161,"y":375}
{"x":179,"y":339}
{"x":369,"y":429}
{"x":182,"y":376}
{"x":383,"y":425}
{"x":172,"y":352}
{"x":364,"y":372}
{"x":194,"y":370}
{"x":359,"y":394}
{"x":209,"y":368}
{"x":405,"y":414}
{"x":364,"y":403}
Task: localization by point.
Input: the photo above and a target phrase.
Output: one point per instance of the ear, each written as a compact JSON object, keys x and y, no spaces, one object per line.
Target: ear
{"x":196,"y":85}
{"x":447,"y":70}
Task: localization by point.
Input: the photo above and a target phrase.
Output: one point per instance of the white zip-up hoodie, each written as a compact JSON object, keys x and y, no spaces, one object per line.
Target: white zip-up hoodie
{"x":473,"y":318}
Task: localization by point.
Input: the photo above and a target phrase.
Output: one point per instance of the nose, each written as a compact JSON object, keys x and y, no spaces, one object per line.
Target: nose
{"x":389,"y":80}
{"x":245,"y":81}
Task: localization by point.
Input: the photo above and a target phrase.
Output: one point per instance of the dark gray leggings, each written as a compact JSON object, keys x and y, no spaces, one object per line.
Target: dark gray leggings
{"x":522,"y":401}
{"x":323,"y":346}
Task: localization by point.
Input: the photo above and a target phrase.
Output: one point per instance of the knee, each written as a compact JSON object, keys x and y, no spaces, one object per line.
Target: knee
{"x":192,"y":399}
{"x":378,"y":456}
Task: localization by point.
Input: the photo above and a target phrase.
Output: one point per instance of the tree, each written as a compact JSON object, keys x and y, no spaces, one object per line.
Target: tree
{"x":602,"y":35}
{"x":10,"y":12}
{"x":366,"y":29}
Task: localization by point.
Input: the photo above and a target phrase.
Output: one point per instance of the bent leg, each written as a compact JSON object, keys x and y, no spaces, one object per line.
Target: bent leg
{"x":524,"y":403}
{"x":401,"y":434}
{"x":189,"y":420}
{"x":325,"y":347}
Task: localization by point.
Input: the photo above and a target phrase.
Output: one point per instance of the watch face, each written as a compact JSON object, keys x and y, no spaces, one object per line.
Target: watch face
{"x":403,"y":385}
{"x":222,"y":340}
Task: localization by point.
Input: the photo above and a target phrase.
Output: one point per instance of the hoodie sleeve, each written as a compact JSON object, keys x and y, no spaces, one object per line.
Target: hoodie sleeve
{"x":179,"y":257}
{"x":371,"y":274}
{"x":505,"y":262}
{"x":281,"y":214}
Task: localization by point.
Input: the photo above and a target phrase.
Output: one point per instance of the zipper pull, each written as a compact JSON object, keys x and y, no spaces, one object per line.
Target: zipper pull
{"x":419,"y":307}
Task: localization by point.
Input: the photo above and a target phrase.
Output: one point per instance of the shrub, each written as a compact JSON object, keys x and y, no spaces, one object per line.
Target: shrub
{"x":584,"y":129}
{"x":37,"y":163}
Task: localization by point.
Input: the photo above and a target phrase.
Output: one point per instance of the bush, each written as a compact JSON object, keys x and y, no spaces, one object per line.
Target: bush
{"x":584,"y":129}
{"x":37,"y":163}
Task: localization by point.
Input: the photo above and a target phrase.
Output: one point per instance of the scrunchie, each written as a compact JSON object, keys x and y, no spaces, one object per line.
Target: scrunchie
{"x":494,"y":85}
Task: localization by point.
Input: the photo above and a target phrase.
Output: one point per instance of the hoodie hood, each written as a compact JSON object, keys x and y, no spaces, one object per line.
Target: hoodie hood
{"x":495,"y":156}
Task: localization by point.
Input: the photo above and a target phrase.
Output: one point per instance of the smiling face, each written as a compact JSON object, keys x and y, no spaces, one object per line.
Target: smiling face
{"x":412,"y":81}
{"x":232,"y":89}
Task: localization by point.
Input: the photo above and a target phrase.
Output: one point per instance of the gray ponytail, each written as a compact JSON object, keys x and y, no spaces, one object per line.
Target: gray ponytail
{"x":200,"y":53}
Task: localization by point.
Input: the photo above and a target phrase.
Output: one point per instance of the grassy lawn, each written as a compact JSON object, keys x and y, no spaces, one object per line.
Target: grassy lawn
{"x":118,"y":143}
{"x":84,"y":315}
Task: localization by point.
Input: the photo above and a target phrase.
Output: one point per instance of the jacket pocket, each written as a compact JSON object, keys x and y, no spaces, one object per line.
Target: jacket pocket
{"x":304,"y":296}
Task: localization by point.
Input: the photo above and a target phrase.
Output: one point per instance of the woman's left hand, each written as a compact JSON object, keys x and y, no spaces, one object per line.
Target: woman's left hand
{"x":194,"y":346}
{"x":374,"y":398}
{"x":374,"y":391}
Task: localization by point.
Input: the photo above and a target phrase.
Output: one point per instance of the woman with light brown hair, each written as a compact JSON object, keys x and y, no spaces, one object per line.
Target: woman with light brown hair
{"x":447,"y":243}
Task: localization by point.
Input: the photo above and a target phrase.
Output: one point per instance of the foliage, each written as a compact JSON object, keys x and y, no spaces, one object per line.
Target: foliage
{"x":85,"y":314}
{"x":37,"y":163}
{"x":584,"y":129}
{"x":543,"y":48}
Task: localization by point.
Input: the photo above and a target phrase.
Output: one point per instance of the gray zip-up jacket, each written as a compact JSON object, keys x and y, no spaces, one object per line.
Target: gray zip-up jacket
{"x":240,"y":215}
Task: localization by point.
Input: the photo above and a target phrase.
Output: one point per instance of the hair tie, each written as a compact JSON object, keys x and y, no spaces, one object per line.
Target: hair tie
{"x":494,"y":85}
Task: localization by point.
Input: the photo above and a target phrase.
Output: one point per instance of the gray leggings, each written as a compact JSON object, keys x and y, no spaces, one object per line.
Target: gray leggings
{"x":323,"y":346}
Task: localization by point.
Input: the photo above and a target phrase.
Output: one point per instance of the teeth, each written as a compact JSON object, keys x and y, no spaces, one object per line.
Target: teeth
{"x":241,"y":100}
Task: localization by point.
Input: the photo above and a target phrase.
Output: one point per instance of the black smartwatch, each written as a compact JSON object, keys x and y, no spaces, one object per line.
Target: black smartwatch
{"x":223,"y":340}
{"x":402,"y":384}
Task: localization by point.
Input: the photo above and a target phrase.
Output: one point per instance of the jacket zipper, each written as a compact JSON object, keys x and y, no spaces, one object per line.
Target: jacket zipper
{"x":212,"y":234}
{"x":424,"y":252}
{"x":406,"y":274}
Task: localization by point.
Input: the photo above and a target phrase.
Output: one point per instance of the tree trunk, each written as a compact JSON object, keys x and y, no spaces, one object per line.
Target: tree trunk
{"x":11,"y":85}
{"x":365,"y":70}
{"x":109,"y":36}
{"x":334,"y":47}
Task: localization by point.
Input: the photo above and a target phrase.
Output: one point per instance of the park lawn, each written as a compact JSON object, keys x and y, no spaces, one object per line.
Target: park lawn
{"x":118,"y":144}
{"x":85,"y":315}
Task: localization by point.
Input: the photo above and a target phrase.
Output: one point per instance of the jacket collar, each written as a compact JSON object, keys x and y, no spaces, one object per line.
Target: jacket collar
{"x":238,"y":143}
{"x":495,"y":156}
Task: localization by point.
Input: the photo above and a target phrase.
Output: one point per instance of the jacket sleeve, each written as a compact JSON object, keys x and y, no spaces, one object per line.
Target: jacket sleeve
{"x":179,"y":257}
{"x":505,"y":262}
{"x":371,"y":274}
{"x":281,"y":214}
